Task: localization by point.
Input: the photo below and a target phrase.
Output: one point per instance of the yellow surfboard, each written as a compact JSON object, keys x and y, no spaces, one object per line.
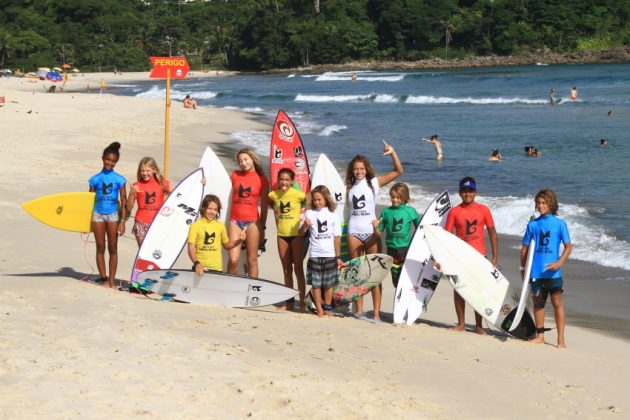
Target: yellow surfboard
{"x":67,"y":211}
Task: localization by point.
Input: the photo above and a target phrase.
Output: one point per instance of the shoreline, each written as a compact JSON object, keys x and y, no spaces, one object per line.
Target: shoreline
{"x":541,"y":57}
{"x":71,"y":338}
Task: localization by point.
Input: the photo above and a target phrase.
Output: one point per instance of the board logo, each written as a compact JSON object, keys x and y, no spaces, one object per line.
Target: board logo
{"x":300,"y":164}
{"x":285,"y":131}
{"x":166,"y":211}
{"x":495,"y":273}
{"x":185,"y":289}
{"x":298,"y":152}
{"x":379,"y":260}
{"x":488,"y":311}
{"x":188,"y":210}
{"x":277,"y":155}
{"x":59,"y":210}
{"x":157,"y":254}
{"x":443,"y":203}
{"x":253,"y":288}
{"x":254,"y":301}
{"x":505,"y":309}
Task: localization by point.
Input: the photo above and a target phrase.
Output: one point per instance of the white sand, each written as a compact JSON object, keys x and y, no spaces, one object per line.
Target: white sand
{"x":70,"y":349}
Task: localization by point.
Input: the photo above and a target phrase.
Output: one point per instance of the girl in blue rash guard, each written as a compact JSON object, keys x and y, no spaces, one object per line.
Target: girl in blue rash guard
{"x":109,"y":186}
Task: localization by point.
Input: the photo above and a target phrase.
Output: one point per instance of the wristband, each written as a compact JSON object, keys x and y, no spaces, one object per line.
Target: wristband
{"x":195,"y":264}
{"x":338,"y":257}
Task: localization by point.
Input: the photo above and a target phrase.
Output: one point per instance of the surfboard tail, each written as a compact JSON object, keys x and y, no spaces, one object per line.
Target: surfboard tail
{"x":524,"y":330}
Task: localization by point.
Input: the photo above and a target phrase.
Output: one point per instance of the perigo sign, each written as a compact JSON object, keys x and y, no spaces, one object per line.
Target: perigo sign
{"x":178,"y":67}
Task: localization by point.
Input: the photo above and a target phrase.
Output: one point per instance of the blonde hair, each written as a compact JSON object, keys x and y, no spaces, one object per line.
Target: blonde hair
{"x":550,"y":198}
{"x":157,"y":175}
{"x":325,"y":192}
{"x":255,"y":158}
{"x":401,"y":189}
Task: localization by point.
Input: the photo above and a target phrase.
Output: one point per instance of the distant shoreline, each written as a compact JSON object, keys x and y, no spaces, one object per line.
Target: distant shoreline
{"x":541,"y":57}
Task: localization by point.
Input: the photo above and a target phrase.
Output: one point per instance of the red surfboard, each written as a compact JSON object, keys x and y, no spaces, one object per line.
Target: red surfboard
{"x":287,"y":151}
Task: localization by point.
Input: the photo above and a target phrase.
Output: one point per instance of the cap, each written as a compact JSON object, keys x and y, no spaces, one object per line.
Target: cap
{"x":468,"y":182}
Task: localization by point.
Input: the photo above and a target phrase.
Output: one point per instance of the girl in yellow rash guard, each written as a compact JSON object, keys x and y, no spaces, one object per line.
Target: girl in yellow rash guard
{"x":207,"y":235}
{"x":287,"y":203}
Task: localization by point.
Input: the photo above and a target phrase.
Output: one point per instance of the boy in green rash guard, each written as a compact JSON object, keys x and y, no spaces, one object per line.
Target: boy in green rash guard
{"x":396,"y":221}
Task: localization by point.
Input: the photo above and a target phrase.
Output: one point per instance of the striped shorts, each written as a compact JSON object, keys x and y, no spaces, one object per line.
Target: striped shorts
{"x":322,"y":272}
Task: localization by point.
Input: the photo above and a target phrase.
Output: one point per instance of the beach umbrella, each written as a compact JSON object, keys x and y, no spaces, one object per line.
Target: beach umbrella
{"x":66,"y":66}
{"x":53,"y":76}
{"x":42,"y":73}
{"x":46,"y":69}
{"x":57,"y":69}
{"x":75,"y":70}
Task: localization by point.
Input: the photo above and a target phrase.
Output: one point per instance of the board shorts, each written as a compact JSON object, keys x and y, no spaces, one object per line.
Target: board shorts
{"x":542,"y":288}
{"x":398,"y":254}
{"x":103,"y":218}
{"x":322,"y":272}
{"x":140,"y":229}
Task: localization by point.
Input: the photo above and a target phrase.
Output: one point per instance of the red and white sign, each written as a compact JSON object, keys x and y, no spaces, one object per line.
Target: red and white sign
{"x":178,"y":66}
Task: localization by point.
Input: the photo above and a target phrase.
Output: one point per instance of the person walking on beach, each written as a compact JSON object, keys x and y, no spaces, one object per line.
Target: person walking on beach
{"x":149,"y":192}
{"x":439,"y":153}
{"x":287,"y":204}
{"x":324,"y":261}
{"x":468,"y":220}
{"x":548,"y":231}
{"x":363,"y":185}
{"x":249,"y":188}
{"x":397,"y":221}
{"x":107,"y":224}
{"x":207,"y":235}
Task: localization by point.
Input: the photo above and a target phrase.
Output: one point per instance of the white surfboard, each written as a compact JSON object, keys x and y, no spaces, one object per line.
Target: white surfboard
{"x":418,"y":276}
{"x":326,"y":174}
{"x":478,"y":282}
{"x":217,"y":180}
{"x":522,"y":303}
{"x":168,"y":232}
{"x":214,"y":288}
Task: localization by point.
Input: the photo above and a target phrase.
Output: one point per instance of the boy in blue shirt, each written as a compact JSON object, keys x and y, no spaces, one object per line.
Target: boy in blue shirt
{"x":548,"y":231}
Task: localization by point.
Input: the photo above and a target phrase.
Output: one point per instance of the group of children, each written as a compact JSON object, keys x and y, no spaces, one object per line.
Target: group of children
{"x":246,"y":228}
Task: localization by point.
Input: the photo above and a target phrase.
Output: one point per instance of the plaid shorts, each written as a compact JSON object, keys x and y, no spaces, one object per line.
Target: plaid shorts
{"x":322,"y":272}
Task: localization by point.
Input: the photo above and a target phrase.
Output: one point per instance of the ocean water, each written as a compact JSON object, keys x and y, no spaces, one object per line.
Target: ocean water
{"x":473,"y":111}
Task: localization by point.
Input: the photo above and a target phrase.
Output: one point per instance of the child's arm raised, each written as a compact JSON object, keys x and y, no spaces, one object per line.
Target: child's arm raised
{"x":398,"y":168}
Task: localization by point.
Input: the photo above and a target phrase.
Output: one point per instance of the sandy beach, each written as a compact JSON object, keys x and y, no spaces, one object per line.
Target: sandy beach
{"x":71,"y":349}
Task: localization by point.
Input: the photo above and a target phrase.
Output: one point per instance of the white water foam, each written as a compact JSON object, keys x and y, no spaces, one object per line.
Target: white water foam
{"x":156,"y":92}
{"x":422,"y":99}
{"x":331,"y":98}
{"x":332,"y":129}
{"x":364,"y":76}
{"x":591,"y":242}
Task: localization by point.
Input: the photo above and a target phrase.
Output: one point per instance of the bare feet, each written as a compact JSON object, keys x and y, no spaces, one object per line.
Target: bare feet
{"x":539,"y":339}
{"x":480,"y":331}
{"x":561,"y":345}
{"x":457,"y":328}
